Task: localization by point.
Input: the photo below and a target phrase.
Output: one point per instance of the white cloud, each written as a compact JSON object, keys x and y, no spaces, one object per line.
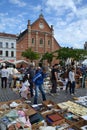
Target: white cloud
{"x":12,"y":24}
{"x":60,"y":5}
{"x":37,"y":8}
{"x":20,"y":3}
{"x":73,"y":34}
{"x":69,"y":18}
{"x":82,"y":12}
{"x":70,"y":22}
{"x":78,"y":1}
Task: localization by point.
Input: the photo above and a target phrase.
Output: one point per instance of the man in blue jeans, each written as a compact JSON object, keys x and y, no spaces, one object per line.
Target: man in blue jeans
{"x":38,"y":83}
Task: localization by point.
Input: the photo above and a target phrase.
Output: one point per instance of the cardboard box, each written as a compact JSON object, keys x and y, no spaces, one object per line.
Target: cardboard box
{"x":37,"y":125}
{"x":71,"y":118}
{"x":48,"y":103}
{"x":36,"y":121}
{"x":79,"y":125}
{"x":53,"y":118}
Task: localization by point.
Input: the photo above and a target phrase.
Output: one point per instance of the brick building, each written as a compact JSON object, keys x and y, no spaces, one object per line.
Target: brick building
{"x":39,"y":36}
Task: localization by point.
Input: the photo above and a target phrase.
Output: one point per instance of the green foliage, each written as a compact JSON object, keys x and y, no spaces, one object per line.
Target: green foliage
{"x":48,"y":56}
{"x":29,"y":54}
{"x":76,"y":54}
{"x":79,"y":54}
{"x":62,"y":54}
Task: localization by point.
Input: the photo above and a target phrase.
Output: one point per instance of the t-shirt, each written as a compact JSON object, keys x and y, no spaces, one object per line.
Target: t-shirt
{"x":53,"y":74}
{"x":4,"y":72}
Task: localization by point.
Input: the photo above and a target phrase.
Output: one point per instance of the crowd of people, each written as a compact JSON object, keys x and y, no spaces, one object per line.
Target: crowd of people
{"x":32,"y":79}
{"x":69,"y":76}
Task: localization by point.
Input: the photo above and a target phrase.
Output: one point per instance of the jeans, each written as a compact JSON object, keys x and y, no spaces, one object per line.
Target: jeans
{"x":40,"y":87}
{"x":83,"y":81}
{"x":68,"y":85}
{"x":54,"y":86}
{"x":31,"y":88}
{"x":72,"y":87}
{"x":4,"y":81}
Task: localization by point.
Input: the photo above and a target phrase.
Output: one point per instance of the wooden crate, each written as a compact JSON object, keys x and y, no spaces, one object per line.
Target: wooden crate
{"x":86,"y":82}
{"x":71,"y":120}
{"x":37,"y":125}
{"x":78,"y":85}
{"x":55,"y":121}
{"x":36,"y":121}
{"x":48,"y":104}
{"x":80,"y":124}
{"x":40,"y":108}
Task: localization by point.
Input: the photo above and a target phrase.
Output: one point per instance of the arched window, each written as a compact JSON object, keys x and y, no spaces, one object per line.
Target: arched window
{"x":48,"y":42}
{"x":12,"y":53}
{"x":1,"y":52}
{"x":6,"y":53}
{"x":33,"y":41}
{"x":12,"y":45}
{"x":6,"y":44}
{"x":0,"y":44}
{"x":41,"y":41}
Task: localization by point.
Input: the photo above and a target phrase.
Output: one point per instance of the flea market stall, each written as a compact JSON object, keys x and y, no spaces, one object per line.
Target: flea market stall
{"x":20,"y":114}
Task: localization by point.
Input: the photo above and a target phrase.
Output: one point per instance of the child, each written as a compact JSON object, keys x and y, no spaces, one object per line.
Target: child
{"x":25,"y":88}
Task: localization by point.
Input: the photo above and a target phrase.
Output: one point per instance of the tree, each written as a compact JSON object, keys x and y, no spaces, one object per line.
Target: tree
{"x":79,"y":54}
{"x":48,"y":56}
{"x":31,"y":55}
{"x":76,"y":54}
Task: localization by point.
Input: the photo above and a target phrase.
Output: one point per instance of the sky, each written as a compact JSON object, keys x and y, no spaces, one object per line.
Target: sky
{"x":68,"y":17}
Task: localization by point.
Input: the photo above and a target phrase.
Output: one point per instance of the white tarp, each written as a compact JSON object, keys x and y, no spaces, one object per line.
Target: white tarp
{"x":84,"y":62}
{"x":20,"y":61}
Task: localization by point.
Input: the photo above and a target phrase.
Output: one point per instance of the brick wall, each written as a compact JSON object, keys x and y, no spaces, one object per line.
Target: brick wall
{"x":34,"y":31}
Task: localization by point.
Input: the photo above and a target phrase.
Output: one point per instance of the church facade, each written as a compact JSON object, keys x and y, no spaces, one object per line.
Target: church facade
{"x":38,"y":36}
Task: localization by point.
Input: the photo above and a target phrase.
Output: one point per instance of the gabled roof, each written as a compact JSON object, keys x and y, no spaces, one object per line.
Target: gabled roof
{"x":56,"y":42}
{"x":41,"y":17}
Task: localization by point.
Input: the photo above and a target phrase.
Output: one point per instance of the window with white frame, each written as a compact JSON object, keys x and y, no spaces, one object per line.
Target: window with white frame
{"x":0,"y":44}
{"x":6,"y":44}
{"x":1,"y":52}
{"x":12,"y":45}
{"x":6,"y":53}
{"x":12,"y":53}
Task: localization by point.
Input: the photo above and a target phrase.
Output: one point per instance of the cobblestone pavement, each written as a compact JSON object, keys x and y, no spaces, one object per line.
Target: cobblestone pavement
{"x":7,"y":94}
{"x":62,"y":96}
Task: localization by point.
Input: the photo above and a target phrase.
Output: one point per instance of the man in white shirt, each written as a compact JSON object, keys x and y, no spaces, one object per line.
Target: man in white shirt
{"x":10,"y":75}
{"x":4,"y":76}
{"x":72,"y":81}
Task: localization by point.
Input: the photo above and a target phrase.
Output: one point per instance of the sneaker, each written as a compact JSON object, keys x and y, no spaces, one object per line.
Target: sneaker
{"x":51,"y":94}
{"x":72,"y":94}
{"x":56,"y":94}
